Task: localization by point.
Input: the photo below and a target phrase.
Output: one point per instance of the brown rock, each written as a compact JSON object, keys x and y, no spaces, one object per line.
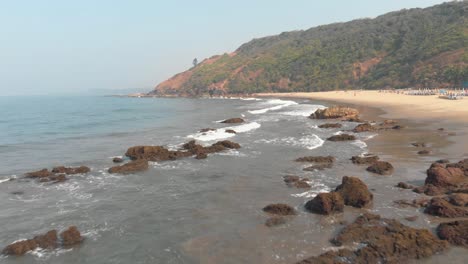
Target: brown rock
{"x":331,"y":125}
{"x":342,"y":137}
{"x":381,"y":167}
{"x":201,"y":156}
{"x":458,"y":199}
{"x":398,"y":127}
{"x":275,"y":221}
{"x":354,"y":192}
{"x":318,"y":159}
{"x":335,"y":112}
{"x":58,"y":178}
{"x":364,"y":160}
{"x":233,"y":120}
{"x":132,"y":166}
{"x":46,"y":241}
{"x":326,"y":203}
{"x":154,"y":153}
{"x":204,"y":130}
{"x":291,"y":178}
{"x":117,"y":160}
{"x":441,"y":175}
{"x":39,"y":174}
{"x":419,"y":144}
{"x":404,"y":185}
{"x":70,"y":170}
{"x":454,"y":232}
{"x":302,"y":184}
{"x":71,"y":236}
{"x":443,"y":208}
{"x":227,"y":144}
{"x":424,"y":152}
{"x":366,"y":127}
{"x":279,"y":209}
{"x":230,"y":131}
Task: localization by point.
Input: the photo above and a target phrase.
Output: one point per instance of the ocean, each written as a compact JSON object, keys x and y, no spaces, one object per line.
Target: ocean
{"x":183,"y":211}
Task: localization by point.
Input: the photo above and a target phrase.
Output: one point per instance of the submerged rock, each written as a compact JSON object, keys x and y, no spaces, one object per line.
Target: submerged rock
{"x":404,"y":185}
{"x":364,"y":160}
{"x":424,"y":152}
{"x":455,"y":233}
{"x":39,"y":174}
{"x":331,"y":125}
{"x":71,"y":236}
{"x":342,"y":137}
{"x":70,"y":170}
{"x":419,"y":144}
{"x":235,"y":120}
{"x":230,"y":131}
{"x":275,"y":221}
{"x":322,"y":166}
{"x":335,"y":112}
{"x":318,"y":159}
{"x":204,"y":130}
{"x":326,"y":203}
{"x":354,"y":192}
{"x":19,"y":248}
{"x":117,"y":160}
{"x":279,"y":209}
{"x":131,"y":167}
{"x":381,"y":167}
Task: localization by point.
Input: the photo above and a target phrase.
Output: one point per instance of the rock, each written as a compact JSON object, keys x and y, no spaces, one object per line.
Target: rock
{"x":354,"y":192}
{"x":70,"y":170}
{"x":233,"y":121}
{"x":335,"y":112}
{"x":342,"y":137}
{"x":419,"y":144}
{"x":381,"y":240}
{"x":117,"y":160}
{"x":302,"y":184}
{"x":279,"y":209}
{"x":318,"y":159}
{"x":458,"y":199}
{"x":424,"y":152}
{"x":17,"y":192}
{"x":275,"y":221}
{"x":58,"y":178}
{"x":132,"y":166}
{"x":404,"y":185}
{"x":230,"y":131}
{"x":296,"y":181}
{"x":326,"y":203}
{"x":154,"y":153}
{"x":71,"y":236}
{"x":430,"y":190}
{"x":441,"y":175}
{"x":227,"y":144}
{"x":381,"y":167}
{"x":411,"y":218}
{"x":331,"y":125}
{"x":204,"y":130}
{"x":455,"y":233}
{"x":366,"y":127}
{"x":200,"y":156}
{"x":355,"y":119}
{"x":416,"y":203}
{"x":442,"y":161}
{"x":389,"y":122}
{"x":398,"y":127}
{"x":441,"y":129}
{"x":46,"y":241}
{"x":39,"y":174}
{"x":291,"y":178}
{"x":319,"y":167}
{"x":364,"y":160}
{"x":441,"y":207}
{"x":451,"y":134}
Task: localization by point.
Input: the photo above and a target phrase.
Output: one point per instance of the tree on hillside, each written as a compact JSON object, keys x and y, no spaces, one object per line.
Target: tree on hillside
{"x":195,"y":62}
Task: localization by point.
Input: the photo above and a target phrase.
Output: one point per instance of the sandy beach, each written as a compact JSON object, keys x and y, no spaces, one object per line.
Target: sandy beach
{"x":396,"y":105}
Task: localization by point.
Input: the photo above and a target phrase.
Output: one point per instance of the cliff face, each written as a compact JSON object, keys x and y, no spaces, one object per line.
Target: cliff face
{"x":399,"y":49}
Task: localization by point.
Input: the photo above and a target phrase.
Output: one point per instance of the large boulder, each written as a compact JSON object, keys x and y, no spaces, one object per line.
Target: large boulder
{"x":279,"y":209}
{"x":364,"y":160}
{"x":342,"y":137}
{"x":71,"y":236}
{"x":454,"y":232}
{"x":442,"y":175}
{"x":131,"y":167}
{"x":326,"y":203}
{"x":366,"y":127}
{"x":381,"y":167}
{"x":382,"y":241}
{"x":71,"y":170}
{"x":235,"y":120}
{"x":354,"y":192}
{"x":19,"y":248}
{"x":317,"y":159}
{"x":335,"y":112}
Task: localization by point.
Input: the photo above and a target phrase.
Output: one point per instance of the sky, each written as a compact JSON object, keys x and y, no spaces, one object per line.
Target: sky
{"x":82,"y":47}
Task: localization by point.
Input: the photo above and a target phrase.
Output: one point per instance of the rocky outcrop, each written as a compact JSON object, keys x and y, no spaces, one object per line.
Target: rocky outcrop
{"x":446,"y":207}
{"x":354,"y":192}
{"x":39,"y":174}
{"x":443,"y":177}
{"x":335,"y":112}
{"x":235,"y":120}
{"x":326,"y":203}
{"x":455,"y":233}
{"x":381,"y":167}
{"x":317,"y":159}
{"x":71,"y":170}
{"x":366,"y":127}
{"x":130,"y":167}
{"x":342,"y":137}
{"x":49,"y":240}
{"x":330,"y":125}
{"x":58,"y":174}
{"x":383,"y":241}
{"x":279,"y":209}
{"x":364,"y":160}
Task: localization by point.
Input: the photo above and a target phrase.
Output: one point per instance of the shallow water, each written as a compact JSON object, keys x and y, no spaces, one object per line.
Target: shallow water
{"x":184,"y":211}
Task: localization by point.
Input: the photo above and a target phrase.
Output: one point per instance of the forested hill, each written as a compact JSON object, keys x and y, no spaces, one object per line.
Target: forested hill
{"x":399,"y":49}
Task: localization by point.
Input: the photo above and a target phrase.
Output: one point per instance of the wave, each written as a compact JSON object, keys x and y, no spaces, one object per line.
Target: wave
{"x":303,"y":110}
{"x":279,"y":104}
{"x":221,"y":133}
{"x":309,"y":142}
{"x":316,"y":188}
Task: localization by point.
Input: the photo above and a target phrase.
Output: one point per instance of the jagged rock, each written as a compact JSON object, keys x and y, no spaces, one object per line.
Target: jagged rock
{"x":71,"y":236}
{"x":65,"y":170}
{"x":381,"y":167}
{"x":441,"y":175}
{"x":132,"y":166}
{"x":430,"y":190}
{"x":322,"y":166}
{"x":331,"y":125}
{"x":342,"y":137}
{"x":117,"y":160}
{"x":364,"y":160}
{"x":279,"y":209}
{"x":233,"y":120}
{"x":424,"y":152}
{"x":317,"y":159}
{"x":383,"y":241}
{"x":354,"y":192}
{"x":19,"y":248}
{"x":39,"y":174}
{"x":326,"y":203}
{"x":442,"y":207}
{"x":230,"y":131}
{"x":404,"y":185}
{"x":366,"y":127}
{"x":335,"y":112}
{"x":455,"y":233}
{"x":275,"y":221}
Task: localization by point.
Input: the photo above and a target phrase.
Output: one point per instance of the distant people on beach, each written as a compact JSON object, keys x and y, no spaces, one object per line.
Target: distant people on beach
{"x":451,"y":94}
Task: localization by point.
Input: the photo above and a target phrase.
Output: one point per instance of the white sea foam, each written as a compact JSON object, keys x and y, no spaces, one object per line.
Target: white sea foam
{"x":309,"y":142}
{"x":4,"y":180}
{"x":279,"y":104}
{"x":221,"y":133}
{"x":315,"y":189}
{"x":250,"y":99}
{"x":303,"y":110}
{"x":361,"y":144}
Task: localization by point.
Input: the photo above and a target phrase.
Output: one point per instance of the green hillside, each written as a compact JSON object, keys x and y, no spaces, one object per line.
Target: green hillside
{"x":400,"y":49}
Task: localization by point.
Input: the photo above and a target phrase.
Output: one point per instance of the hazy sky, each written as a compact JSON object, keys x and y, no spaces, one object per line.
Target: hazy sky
{"x":63,"y":47}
